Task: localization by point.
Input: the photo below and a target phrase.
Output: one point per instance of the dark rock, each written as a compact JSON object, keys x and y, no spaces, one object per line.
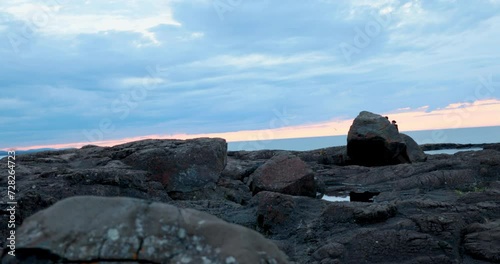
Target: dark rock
{"x":358,"y":213}
{"x":275,"y":211}
{"x":237,"y":169}
{"x":426,"y":212}
{"x":446,"y":226}
{"x":279,"y":214}
{"x":235,"y":191}
{"x":492,"y":146}
{"x":285,"y":174}
{"x":413,"y":150}
{"x":403,"y":246}
{"x":181,"y":166}
{"x":480,"y":196}
{"x":436,"y":179}
{"x":255,"y":155}
{"x":95,"y":229}
{"x":50,"y":176}
{"x":320,"y":187}
{"x":482,"y":241}
{"x":337,"y":213}
{"x":374,"y":141}
{"x":325,"y":156}
{"x":330,"y":251}
{"x":374,"y":213}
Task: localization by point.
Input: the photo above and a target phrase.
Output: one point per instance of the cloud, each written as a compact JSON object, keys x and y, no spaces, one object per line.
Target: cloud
{"x":87,"y":62}
{"x":56,"y":18}
{"x":259,"y":60}
{"x":460,"y":115}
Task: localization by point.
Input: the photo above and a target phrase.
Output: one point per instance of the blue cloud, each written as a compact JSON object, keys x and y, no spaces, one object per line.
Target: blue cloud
{"x":315,"y":60}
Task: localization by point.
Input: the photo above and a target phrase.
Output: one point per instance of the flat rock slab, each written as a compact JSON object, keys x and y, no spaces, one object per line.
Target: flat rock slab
{"x":180,"y":165}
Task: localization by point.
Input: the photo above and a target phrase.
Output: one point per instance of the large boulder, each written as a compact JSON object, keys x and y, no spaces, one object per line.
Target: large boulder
{"x":286,"y":174}
{"x":374,"y":141}
{"x":180,"y":165}
{"x":118,"y":230}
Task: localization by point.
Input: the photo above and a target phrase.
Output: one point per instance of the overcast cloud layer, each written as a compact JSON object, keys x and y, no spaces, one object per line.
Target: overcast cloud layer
{"x":132,"y":68}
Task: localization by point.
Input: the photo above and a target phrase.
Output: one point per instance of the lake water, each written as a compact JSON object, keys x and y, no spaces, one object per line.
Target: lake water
{"x":460,"y":136}
{"x":1,"y":157}
{"x":450,"y":151}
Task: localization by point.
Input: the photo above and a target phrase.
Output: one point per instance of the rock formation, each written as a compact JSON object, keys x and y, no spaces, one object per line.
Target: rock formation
{"x":444,"y":210}
{"x":374,"y":141}
{"x":181,"y":166}
{"x":97,"y":229}
{"x":286,"y":174}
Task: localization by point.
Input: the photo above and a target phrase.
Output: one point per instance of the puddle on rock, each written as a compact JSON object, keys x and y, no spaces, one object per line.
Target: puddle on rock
{"x":336,"y":198}
{"x":363,"y":197}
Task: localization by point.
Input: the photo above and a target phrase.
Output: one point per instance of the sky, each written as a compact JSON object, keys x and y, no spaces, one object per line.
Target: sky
{"x":104,"y":72}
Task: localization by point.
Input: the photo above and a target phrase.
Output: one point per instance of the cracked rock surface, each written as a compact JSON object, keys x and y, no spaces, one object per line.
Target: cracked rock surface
{"x":97,"y":229}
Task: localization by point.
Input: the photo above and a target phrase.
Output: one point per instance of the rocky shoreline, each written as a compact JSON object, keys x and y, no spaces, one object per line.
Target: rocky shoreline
{"x":194,"y":202}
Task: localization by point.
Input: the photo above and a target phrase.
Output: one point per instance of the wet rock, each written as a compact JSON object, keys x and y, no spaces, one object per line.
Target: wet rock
{"x":285,"y":174}
{"x":96,"y":229}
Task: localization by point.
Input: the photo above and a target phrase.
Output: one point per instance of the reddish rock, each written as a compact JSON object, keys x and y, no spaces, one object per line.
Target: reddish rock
{"x":285,"y":174}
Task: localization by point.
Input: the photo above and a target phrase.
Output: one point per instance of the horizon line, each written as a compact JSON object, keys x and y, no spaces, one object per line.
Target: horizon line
{"x":457,"y":115}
